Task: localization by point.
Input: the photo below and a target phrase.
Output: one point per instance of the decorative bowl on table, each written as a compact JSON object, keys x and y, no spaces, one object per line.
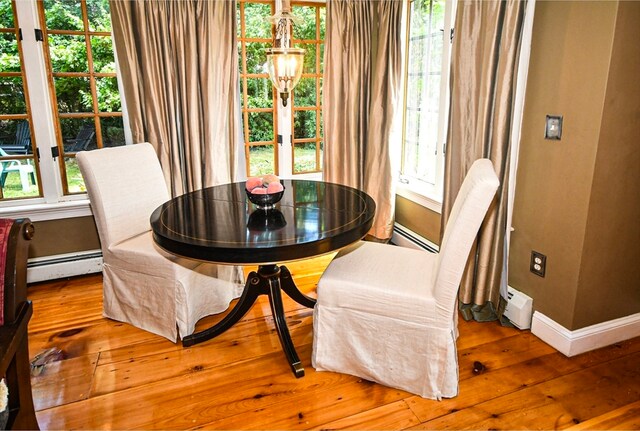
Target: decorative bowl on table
{"x":265,"y":191}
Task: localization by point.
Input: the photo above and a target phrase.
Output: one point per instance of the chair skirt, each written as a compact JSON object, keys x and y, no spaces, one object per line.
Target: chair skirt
{"x":414,"y":357}
{"x":161,"y":293}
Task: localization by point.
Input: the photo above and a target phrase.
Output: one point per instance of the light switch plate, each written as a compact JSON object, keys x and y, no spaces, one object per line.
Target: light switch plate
{"x":553,"y":127}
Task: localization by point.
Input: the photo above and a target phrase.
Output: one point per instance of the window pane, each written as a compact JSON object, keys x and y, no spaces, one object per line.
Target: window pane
{"x":259,"y":93}
{"x":18,"y":179}
{"x":238,"y":21}
{"x":304,"y":157}
{"x":306,"y":28}
{"x":242,"y":84}
{"x":75,"y":183}
{"x":74,"y":95}
{"x":108,"y":95}
{"x":6,"y":14}
{"x":423,"y":89}
{"x":15,"y":137}
{"x":305,"y":93}
{"x":304,"y":124}
{"x":68,"y":53}
{"x":112,"y":131}
{"x":78,"y":134}
{"x":9,"y":57}
{"x":261,"y":160}
{"x":323,"y":16}
{"x":416,"y":92}
{"x":256,"y":57}
{"x":63,"y":15}
{"x":309,"y":57}
{"x":12,"y":99}
{"x":98,"y":15}
{"x":102,"y":54}
{"x":256,"y":23}
{"x":260,"y":126}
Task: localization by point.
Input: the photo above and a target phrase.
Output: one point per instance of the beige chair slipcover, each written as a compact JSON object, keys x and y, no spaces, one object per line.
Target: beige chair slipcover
{"x":144,"y":285}
{"x":388,"y":314}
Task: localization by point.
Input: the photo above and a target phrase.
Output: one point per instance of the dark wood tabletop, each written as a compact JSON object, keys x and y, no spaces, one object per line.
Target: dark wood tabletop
{"x":219,"y":224}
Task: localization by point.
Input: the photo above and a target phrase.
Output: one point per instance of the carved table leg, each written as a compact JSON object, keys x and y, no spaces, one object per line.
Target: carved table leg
{"x":290,"y":288}
{"x":275,"y":301}
{"x":269,"y":280}
{"x":249,"y":295}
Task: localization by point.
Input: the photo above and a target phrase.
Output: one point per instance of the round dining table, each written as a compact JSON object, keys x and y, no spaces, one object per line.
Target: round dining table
{"x":220,"y":225}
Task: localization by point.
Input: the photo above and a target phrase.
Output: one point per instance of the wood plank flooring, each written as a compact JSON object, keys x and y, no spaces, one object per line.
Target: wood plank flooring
{"x":118,"y":377}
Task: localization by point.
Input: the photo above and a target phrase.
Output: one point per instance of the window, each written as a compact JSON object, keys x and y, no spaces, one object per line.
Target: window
{"x":58,"y":95}
{"x":82,"y":73}
{"x":425,"y":98}
{"x":267,"y":125}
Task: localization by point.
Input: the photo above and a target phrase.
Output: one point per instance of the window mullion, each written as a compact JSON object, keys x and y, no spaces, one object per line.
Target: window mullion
{"x":40,"y":101}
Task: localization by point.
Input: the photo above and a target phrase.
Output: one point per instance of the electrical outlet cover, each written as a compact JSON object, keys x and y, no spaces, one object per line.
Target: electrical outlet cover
{"x":538,"y":264}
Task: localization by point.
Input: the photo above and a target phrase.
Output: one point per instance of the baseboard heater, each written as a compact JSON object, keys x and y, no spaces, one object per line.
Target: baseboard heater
{"x":405,"y":237}
{"x":63,"y":265}
{"x":519,"y":309}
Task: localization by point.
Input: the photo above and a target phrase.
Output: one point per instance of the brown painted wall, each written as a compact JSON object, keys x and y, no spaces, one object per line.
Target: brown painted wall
{"x":562,"y":198}
{"x":554,"y":177}
{"x":419,"y":219}
{"x":64,"y":236}
{"x":609,"y":280}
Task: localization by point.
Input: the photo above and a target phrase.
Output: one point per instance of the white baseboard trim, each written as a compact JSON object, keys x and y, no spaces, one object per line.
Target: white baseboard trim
{"x":571,"y":343}
{"x":63,"y":265}
{"x":405,"y":237}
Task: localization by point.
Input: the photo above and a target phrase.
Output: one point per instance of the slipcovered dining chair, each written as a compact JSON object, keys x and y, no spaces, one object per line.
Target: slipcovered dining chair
{"x":388,"y":314}
{"x":143,"y":285}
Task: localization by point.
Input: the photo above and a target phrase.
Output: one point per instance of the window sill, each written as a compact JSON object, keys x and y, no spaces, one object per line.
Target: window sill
{"x":421,"y":198}
{"x":44,"y":211}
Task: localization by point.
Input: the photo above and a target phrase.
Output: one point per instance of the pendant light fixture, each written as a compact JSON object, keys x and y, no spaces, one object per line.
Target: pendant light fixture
{"x":284,"y":63}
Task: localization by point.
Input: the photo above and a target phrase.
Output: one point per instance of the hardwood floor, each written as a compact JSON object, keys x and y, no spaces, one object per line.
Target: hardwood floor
{"x":118,"y":377}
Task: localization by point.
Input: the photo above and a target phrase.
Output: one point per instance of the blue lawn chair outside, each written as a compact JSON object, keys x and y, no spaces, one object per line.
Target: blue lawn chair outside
{"x":22,"y":142}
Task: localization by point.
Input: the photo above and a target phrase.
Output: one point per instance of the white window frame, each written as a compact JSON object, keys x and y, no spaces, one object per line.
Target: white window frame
{"x":411,"y":188}
{"x":53,"y":205}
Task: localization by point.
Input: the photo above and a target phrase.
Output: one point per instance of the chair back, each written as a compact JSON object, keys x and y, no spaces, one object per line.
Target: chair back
{"x":84,"y":138}
{"x":14,"y":250}
{"x":23,"y":135}
{"x":468,"y":212}
{"x":22,"y":142}
{"x":125,"y":184}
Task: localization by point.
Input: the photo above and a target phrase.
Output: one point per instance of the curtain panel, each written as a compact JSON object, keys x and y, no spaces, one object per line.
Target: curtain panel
{"x":180,"y":78}
{"x":485,"y":54}
{"x":361,"y":90}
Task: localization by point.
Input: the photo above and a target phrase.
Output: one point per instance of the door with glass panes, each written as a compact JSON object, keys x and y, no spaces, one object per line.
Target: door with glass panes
{"x":287,"y":140}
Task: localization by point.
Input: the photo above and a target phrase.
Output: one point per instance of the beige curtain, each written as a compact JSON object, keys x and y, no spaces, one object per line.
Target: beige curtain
{"x":483,"y":81}
{"x":180,"y":75}
{"x":360,"y":96}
